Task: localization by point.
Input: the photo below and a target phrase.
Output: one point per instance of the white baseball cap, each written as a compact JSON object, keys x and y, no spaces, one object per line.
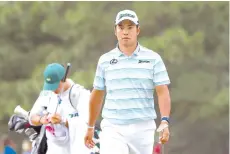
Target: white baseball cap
{"x":127,"y":15}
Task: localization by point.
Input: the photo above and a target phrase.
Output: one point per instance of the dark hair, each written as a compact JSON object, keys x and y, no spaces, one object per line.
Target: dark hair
{"x":136,"y":26}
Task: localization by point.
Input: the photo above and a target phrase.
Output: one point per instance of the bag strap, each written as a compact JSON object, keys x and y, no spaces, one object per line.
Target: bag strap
{"x":70,"y":96}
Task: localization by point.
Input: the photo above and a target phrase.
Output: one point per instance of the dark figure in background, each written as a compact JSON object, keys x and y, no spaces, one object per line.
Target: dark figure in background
{"x":8,"y":146}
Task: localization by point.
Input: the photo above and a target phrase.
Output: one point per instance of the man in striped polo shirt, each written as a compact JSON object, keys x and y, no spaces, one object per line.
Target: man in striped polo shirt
{"x":128,"y":76}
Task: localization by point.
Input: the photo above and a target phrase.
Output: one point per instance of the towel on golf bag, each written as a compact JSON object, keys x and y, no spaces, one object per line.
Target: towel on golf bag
{"x":40,"y":143}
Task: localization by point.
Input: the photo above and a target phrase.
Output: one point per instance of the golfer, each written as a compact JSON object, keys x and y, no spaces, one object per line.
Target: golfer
{"x":128,"y":75}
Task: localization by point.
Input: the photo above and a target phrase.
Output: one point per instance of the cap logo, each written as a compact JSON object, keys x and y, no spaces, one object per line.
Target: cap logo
{"x":126,"y":15}
{"x":48,"y":79}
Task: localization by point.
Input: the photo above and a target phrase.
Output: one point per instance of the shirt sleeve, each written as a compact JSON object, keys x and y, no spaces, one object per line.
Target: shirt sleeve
{"x":9,"y":150}
{"x":99,"y":79}
{"x":160,"y":74}
{"x":83,"y":105}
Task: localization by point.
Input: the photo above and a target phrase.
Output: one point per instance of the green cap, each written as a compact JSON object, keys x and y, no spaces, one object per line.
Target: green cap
{"x":53,"y":74}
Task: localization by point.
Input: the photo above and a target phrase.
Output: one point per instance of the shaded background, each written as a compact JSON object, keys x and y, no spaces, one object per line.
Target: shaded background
{"x":191,"y":37}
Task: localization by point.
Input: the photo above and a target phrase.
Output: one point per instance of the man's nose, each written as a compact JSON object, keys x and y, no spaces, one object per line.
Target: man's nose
{"x":125,"y":32}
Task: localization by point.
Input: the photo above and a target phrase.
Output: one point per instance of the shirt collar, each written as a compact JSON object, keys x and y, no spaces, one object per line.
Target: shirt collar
{"x":135,"y":53}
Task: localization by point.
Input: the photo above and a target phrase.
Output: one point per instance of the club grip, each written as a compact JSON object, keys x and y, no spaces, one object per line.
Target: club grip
{"x":66,"y":72}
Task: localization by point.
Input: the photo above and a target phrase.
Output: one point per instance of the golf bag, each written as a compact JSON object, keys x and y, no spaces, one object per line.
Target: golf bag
{"x":19,"y":123}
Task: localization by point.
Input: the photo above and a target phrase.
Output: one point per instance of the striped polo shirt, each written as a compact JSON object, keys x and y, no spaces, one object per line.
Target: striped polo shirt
{"x":129,"y":82}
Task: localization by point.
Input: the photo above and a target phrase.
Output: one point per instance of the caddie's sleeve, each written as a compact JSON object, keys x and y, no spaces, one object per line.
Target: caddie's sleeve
{"x":83,"y":105}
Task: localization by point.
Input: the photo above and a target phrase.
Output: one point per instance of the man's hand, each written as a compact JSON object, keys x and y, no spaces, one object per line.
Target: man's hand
{"x":44,"y":120}
{"x":165,"y":107}
{"x":55,"y":119}
{"x":163,"y":132}
{"x":89,"y":138}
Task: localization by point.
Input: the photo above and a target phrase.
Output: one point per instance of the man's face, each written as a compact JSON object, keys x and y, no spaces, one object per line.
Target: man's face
{"x":127,"y":32}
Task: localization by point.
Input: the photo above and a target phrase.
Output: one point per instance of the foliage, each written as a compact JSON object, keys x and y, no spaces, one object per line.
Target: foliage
{"x":191,"y":37}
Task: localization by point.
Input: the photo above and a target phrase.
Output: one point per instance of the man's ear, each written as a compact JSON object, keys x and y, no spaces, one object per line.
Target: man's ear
{"x":115,"y":30}
{"x":138,"y":30}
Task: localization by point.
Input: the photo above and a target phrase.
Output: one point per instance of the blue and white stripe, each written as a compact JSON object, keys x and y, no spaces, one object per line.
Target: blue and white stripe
{"x":130,"y":84}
